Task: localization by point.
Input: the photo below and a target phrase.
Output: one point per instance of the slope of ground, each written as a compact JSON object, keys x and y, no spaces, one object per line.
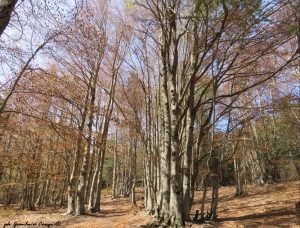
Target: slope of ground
{"x":268,"y":206}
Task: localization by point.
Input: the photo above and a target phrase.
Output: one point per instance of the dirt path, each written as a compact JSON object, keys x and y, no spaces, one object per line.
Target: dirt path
{"x":116,"y":213}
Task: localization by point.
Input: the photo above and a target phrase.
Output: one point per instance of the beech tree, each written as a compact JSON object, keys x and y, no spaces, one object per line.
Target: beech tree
{"x":221,"y":61}
{"x":173,"y":96}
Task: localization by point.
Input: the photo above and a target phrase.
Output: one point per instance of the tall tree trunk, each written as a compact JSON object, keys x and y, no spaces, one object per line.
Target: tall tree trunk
{"x":175,"y":188}
{"x":80,"y":200}
{"x":72,"y":181}
{"x":187,"y":200}
{"x":165,"y":165}
{"x":95,"y":195}
{"x":114,"y":184}
{"x":133,"y":199}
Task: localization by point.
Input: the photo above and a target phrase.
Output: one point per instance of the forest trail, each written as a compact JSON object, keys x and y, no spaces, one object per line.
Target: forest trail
{"x":268,"y":206}
{"x":117,"y":213}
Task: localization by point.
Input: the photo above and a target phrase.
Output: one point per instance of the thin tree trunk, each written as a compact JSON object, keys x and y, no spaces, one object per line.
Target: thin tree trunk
{"x":114,"y":184}
{"x":133,"y":199}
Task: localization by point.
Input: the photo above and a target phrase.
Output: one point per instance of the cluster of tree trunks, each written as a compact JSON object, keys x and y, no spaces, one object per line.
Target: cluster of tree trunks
{"x":184,"y":93}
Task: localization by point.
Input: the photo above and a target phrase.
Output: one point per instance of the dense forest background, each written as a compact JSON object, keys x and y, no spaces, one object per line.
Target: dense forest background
{"x":175,"y":96}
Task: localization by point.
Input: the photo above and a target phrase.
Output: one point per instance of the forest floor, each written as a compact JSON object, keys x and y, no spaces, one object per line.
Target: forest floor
{"x":268,"y":206}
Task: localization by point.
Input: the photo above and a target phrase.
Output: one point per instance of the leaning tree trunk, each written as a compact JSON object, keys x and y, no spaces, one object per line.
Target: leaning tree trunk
{"x":94,"y":182}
